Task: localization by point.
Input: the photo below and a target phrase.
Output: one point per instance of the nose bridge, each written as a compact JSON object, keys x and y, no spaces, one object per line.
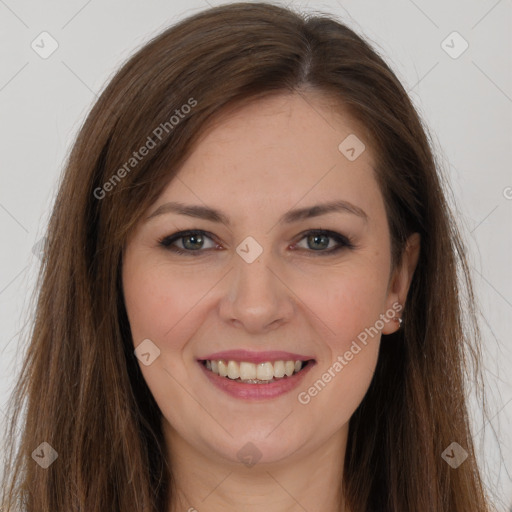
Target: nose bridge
{"x":255,"y":297}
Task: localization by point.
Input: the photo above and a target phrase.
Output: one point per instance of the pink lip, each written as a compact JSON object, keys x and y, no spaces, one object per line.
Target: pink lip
{"x":256,"y":391}
{"x":255,"y":357}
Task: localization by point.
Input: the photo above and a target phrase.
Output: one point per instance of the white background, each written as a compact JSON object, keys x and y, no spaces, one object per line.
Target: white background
{"x":466,"y":103}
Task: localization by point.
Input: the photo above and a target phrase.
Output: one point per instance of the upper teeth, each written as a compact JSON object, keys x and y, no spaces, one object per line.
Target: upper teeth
{"x":251,"y":371}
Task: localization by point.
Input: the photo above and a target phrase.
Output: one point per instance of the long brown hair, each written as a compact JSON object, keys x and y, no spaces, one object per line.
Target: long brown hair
{"x":80,"y":383}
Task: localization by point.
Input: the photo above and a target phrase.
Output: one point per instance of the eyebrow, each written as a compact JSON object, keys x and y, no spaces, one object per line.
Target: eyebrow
{"x":211,"y":214}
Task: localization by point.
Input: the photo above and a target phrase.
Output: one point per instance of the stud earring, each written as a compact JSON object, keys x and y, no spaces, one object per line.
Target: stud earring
{"x":399,"y":319}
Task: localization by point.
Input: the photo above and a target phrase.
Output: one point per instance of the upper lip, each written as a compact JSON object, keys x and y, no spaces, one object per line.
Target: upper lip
{"x":255,"y":357}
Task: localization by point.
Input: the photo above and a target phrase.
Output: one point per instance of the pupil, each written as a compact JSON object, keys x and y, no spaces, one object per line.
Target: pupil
{"x":196,"y":239}
{"x":319,"y":239}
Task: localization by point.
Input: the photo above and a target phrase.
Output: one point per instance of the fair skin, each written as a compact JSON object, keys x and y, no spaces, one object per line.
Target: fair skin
{"x":254,"y":165}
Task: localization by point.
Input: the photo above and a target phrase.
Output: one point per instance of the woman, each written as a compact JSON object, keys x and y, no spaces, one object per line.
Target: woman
{"x":249,"y":298}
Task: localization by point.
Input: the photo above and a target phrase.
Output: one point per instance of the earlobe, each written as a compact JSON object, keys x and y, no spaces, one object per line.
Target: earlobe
{"x":401,"y":282}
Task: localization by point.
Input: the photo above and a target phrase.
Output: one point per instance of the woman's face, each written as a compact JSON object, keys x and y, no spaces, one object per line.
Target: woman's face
{"x":259,"y":284}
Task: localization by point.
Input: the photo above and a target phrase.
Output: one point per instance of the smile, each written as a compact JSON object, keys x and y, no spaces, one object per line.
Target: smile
{"x":255,"y":376}
{"x":254,"y":373}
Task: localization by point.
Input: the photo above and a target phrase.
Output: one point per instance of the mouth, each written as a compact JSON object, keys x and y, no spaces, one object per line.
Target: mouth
{"x":263,"y":372}
{"x":255,"y":375}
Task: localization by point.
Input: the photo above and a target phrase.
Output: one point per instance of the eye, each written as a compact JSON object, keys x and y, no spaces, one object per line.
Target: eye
{"x":192,"y":242}
{"x":189,"y":242}
{"x":320,"y":241}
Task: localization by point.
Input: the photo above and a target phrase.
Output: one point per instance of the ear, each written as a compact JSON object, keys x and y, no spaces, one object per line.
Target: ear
{"x":401,"y":281}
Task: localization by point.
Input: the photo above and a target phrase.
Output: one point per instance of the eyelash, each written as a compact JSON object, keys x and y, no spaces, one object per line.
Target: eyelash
{"x":343,"y":242}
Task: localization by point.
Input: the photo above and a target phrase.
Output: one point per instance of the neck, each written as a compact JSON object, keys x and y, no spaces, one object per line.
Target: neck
{"x":311,"y":481}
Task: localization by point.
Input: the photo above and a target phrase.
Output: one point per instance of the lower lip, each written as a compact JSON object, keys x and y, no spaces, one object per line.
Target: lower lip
{"x":256,"y":391}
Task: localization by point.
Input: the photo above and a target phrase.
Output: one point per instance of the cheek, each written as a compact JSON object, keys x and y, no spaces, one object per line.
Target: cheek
{"x":162,"y":305}
{"x":347,"y":307}
{"x":353,"y":307}
{"x":159,"y":299}
{"x":345,"y":301}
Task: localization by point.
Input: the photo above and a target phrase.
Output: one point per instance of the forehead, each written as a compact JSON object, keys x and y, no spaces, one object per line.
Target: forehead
{"x":281,"y":148}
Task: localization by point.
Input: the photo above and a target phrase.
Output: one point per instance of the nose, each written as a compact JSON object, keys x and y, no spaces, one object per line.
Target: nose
{"x":257,"y":298}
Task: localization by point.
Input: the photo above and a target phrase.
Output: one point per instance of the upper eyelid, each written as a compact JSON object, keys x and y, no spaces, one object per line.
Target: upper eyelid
{"x":187,"y":232}
{"x":328,"y":232}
